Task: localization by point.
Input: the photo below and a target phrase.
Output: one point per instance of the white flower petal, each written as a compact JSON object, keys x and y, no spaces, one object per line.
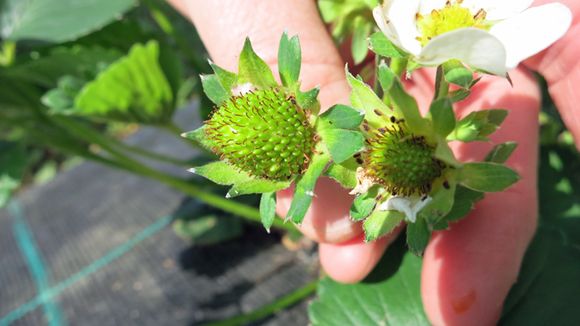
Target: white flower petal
{"x":380,"y":15}
{"x":474,"y":47}
{"x":498,"y":9}
{"x":532,"y":31}
{"x":401,"y":204}
{"x":401,"y":16}
{"x":427,"y":6}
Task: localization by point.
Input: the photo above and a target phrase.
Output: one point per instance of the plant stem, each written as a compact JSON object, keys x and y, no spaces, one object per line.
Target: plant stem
{"x":269,"y":309}
{"x":152,"y":155}
{"x":441,"y":85}
{"x":398,"y":66}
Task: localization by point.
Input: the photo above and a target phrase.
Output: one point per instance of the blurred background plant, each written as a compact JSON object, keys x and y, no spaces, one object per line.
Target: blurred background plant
{"x":73,"y":91}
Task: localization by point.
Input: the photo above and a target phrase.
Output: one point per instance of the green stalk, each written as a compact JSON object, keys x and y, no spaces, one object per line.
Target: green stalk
{"x":152,"y":155}
{"x":398,"y":66}
{"x":441,"y":85}
{"x":269,"y":309}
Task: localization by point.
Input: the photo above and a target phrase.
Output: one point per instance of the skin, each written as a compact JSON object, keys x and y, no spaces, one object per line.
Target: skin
{"x":469,"y":269}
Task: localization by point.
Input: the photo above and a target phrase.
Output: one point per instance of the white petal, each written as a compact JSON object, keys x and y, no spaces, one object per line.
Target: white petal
{"x":427,"y":6}
{"x":379,"y":13}
{"x":474,"y":47}
{"x":532,"y":31}
{"x":401,"y":15}
{"x":498,"y":9}
{"x":401,"y":204}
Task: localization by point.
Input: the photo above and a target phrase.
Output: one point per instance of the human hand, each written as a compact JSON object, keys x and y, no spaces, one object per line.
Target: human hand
{"x":469,"y":269}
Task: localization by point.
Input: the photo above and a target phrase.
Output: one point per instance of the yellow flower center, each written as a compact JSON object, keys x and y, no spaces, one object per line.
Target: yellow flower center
{"x":451,"y":17}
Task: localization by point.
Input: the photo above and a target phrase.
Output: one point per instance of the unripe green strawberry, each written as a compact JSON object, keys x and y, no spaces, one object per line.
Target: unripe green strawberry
{"x":264,"y":133}
{"x":402,"y":163}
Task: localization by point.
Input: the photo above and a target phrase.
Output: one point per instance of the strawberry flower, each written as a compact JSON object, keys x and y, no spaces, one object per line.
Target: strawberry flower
{"x":491,"y":35}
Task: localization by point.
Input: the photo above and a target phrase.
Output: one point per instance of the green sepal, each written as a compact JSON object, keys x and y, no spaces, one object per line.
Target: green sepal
{"x":268,"y":209}
{"x":487,"y":176}
{"x":501,"y":153}
{"x":214,"y":90}
{"x":304,"y":191}
{"x":407,"y":108}
{"x":463,"y":202}
{"x":198,"y":135}
{"x":344,"y":173}
{"x":382,"y":46}
{"x":478,"y":125}
{"x":338,"y":129}
{"x":289,"y":60}
{"x":363,"y":97}
{"x":364,"y":204}
{"x":386,"y":77}
{"x":309,"y":100}
{"x":381,"y":223}
{"x":252,"y":69}
{"x":418,"y":235}
{"x":256,"y":186}
{"x":225,"y":174}
{"x":444,"y":153}
{"x":341,"y":117}
{"x":442,"y":116}
{"x":442,"y":200}
{"x":227,"y":79}
{"x":456,"y":73}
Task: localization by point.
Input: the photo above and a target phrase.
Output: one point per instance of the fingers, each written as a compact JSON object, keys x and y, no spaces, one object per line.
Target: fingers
{"x":469,"y":269}
{"x":352,"y":261}
{"x":328,"y":219}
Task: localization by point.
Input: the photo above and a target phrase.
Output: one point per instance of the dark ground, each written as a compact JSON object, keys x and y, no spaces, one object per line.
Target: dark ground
{"x":105,"y":255}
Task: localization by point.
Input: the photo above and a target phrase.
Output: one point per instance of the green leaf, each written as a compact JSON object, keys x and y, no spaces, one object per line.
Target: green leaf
{"x":381,"y":45}
{"x":456,"y":73}
{"x":214,"y":90}
{"x":487,"y":177}
{"x":133,"y":88}
{"x":304,"y":191}
{"x":501,"y":153}
{"x":344,"y":174}
{"x":342,"y":144}
{"x":61,"y":99}
{"x":359,"y":46}
{"x":547,"y":285}
{"x":198,"y":135}
{"x":391,"y":295}
{"x":381,"y":223}
{"x":443,"y":117}
{"x":252,"y":69}
{"x":445,"y":154}
{"x":268,"y":209}
{"x":289,"y":60}
{"x":342,"y":117}
{"x":13,"y":161}
{"x":364,"y":204}
{"x":363,"y":97}
{"x":418,"y":235}
{"x":478,"y":125}
{"x":57,"y":20}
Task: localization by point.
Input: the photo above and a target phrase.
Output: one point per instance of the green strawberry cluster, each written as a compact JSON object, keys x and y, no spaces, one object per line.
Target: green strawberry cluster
{"x":397,"y":162}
